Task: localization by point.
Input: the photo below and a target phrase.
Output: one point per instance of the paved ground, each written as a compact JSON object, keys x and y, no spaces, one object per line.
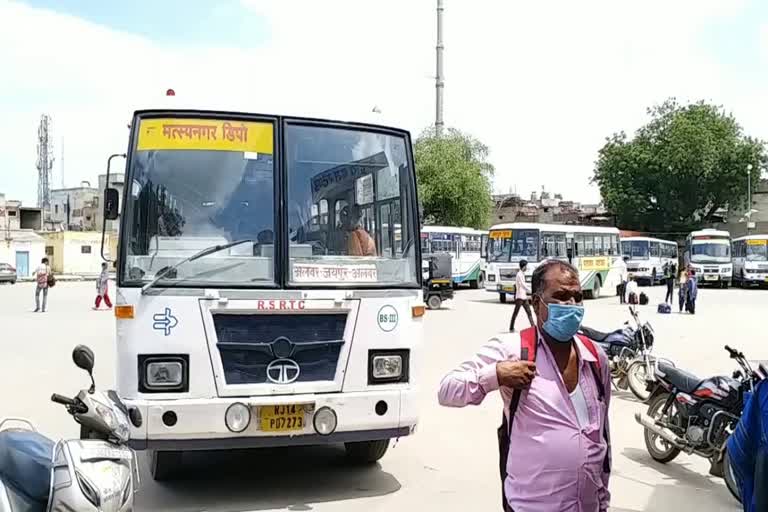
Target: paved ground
{"x":450,"y":465}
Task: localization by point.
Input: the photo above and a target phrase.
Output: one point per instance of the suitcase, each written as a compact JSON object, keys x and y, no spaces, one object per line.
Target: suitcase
{"x":643,"y":299}
{"x":664,"y":308}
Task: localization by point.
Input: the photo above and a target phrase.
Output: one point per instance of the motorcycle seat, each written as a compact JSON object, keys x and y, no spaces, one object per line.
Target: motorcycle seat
{"x":680,"y":379}
{"x":605,"y":339}
{"x":26,"y":460}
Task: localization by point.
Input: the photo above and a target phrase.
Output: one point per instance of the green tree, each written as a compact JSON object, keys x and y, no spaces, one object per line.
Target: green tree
{"x":454,"y":178}
{"x":679,"y":169}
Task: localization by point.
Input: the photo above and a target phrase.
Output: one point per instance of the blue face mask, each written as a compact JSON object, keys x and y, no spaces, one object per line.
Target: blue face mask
{"x":563,"y":321}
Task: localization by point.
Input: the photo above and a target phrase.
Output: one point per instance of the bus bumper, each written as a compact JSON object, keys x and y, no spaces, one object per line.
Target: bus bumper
{"x":200,"y":423}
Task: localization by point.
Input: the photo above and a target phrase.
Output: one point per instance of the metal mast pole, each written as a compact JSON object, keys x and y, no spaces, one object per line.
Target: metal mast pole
{"x":749,"y":197}
{"x":439,"y":81}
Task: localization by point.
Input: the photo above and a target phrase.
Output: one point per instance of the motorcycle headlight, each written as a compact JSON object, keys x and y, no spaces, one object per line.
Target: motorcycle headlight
{"x":115,"y":420}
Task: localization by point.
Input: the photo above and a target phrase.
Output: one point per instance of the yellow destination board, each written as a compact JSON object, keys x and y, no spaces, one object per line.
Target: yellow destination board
{"x":500,"y":234}
{"x":757,"y":242}
{"x":595,"y":264}
{"x":205,"y":134}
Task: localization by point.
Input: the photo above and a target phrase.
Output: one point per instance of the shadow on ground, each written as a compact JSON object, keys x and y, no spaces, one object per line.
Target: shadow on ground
{"x":250,"y":480}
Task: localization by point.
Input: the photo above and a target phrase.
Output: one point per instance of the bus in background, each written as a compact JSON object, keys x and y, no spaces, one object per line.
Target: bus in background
{"x":647,"y":257}
{"x":275,"y":302}
{"x":708,"y":252}
{"x":750,"y":260}
{"x":594,"y":250}
{"x":466,"y":245}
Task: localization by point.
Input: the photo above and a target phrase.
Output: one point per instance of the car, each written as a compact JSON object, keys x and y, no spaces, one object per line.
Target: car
{"x":7,"y":273}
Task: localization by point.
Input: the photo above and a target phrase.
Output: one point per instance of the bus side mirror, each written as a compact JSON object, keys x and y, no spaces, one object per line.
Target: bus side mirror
{"x":111,"y":203}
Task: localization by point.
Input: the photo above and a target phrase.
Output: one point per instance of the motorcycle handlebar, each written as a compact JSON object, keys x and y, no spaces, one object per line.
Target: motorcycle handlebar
{"x":63,"y":400}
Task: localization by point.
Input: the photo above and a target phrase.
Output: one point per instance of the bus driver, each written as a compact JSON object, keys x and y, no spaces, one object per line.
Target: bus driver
{"x":359,"y":242}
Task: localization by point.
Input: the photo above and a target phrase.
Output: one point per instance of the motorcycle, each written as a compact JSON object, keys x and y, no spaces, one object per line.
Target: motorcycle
{"x":97,"y":472}
{"x":629,"y":354}
{"x":696,"y":416}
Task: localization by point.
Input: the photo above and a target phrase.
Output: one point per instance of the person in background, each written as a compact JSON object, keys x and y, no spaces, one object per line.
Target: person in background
{"x":682,"y":291}
{"x":633,"y":291}
{"x":555,"y":457}
{"x":624,"y":277}
{"x":102,"y":284}
{"x":691,"y":293}
{"x":670,"y":271}
{"x":521,"y":296}
{"x":41,"y":275}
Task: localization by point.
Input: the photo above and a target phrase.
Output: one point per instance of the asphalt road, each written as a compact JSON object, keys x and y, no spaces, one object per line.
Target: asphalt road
{"x":449,"y":465}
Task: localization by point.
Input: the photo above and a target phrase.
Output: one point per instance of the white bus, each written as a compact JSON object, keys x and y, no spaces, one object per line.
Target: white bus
{"x":593,"y":250}
{"x":464,"y":244}
{"x":750,"y":260}
{"x":268,"y":284}
{"x":708,"y":252}
{"x":647,"y":257}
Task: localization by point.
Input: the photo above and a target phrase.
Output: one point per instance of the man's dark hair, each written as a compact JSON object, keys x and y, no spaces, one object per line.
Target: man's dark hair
{"x":538,"y":280}
{"x":44,"y":260}
{"x":523,"y":263}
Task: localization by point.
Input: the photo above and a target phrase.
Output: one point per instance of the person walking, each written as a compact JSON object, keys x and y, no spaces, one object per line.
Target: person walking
{"x":682,"y":292}
{"x":670,"y":271}
{"x":554,"y":441}
{"x":42,"y":275}
{"x":692,"y":292}
{"x":102,"y":285}
{"x":521,"y":296}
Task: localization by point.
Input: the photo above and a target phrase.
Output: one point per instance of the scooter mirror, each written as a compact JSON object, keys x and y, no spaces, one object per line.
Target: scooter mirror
{"x":83,"y":358}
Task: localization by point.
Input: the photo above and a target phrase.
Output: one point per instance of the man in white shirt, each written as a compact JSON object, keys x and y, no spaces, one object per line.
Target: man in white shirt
{"x":633,"y":291}
{"x":621,"y":265}
{"x":521,"y":296}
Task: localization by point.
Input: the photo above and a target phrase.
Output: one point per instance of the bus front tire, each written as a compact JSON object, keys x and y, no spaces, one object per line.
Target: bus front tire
{"x":366,"y":452}
{"x":164,"y":465}
{"x":434,"y":302}
{"x":594,"y":293}
{"x":503,"y":298}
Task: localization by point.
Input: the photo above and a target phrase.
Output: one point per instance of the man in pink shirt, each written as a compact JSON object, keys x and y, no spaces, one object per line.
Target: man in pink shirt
{"x":558,"y":456}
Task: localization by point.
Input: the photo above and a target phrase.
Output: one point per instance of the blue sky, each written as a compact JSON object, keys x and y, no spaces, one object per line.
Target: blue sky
{"x":541,"y":83}
{"x":174,"y":22}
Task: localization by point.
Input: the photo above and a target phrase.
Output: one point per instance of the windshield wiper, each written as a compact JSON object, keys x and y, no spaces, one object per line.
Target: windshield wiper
{"x":196,"y":256}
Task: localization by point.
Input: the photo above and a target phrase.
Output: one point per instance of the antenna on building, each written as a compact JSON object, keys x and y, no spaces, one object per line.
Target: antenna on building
{"x":61,"y":163}
{"x":44,"y":165}
{"x":439,"y":80}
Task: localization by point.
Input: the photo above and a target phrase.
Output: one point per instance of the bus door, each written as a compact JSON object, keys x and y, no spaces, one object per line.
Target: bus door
{"x":571,"y":248}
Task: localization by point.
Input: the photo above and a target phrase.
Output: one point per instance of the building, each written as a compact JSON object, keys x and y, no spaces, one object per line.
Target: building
{"x":75,"y":252}
{"x":547,"y":208}
{"x":20,"y":246}
{"x":74,"y":208}
{"x":117,"y":181}
{"x":736,"y":223}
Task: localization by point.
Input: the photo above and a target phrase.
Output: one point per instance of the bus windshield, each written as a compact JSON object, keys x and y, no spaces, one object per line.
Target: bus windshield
{"x":505,"y":246}
{"x":757,"y":250}
{"x":635,"y":249}
{"x":703,"y":251}
{"x":194,"y":184}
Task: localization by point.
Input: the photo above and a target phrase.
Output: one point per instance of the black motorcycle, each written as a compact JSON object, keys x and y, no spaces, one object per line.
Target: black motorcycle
{"x":629,"y":353}
{"x":696,"y":416}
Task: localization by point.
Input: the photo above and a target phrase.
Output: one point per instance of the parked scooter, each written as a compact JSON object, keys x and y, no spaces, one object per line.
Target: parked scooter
{"x":97,"y":473}
{"x":694,"y":415}
{"x":629,"y":353}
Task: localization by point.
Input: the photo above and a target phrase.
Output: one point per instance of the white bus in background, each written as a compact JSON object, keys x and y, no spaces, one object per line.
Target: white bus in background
{"x":750,"y":260}
{"x":708,"y":252}
{"x":274,"y":302}
{"x":647,"y":257}
{"x":593,"y":250}
{"x":466,"y":245}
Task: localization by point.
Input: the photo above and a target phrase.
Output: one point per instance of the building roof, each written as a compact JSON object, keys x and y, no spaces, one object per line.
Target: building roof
{"x":24,"y":235}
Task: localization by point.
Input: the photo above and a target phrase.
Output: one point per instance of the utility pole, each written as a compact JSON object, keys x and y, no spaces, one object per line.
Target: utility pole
{"x":44,"y":165}
{"x":439,"y":81}
{"x":749,"y":197}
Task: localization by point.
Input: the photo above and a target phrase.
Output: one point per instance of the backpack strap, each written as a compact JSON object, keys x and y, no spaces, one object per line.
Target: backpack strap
{"x":529,"y":339}
{"x":600,"y":391}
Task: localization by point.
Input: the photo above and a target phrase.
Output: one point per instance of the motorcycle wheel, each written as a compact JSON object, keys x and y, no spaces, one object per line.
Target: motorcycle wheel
{"x":636,"y":375}
{"x":730,"y":477}
{"x":659,"y":449}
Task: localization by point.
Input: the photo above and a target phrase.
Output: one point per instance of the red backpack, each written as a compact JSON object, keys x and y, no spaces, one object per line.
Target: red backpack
{"x":528,"y":344}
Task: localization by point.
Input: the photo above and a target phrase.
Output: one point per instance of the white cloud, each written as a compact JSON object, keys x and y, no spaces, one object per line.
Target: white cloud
{"x":542,"y":83}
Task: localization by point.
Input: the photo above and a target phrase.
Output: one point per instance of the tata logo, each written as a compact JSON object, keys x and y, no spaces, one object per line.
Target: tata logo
{"x":283,"y":371}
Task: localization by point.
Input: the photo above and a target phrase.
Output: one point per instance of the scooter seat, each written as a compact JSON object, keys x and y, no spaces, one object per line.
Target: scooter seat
{"x":680,"y":379}
{"x":605,"y":339}
{"x":26,"y":459}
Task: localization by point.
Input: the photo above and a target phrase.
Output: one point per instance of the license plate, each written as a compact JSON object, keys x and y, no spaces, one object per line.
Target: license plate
{"x":710,"y":278}
{"x":282,"y":418}
{"x":508,"y":289}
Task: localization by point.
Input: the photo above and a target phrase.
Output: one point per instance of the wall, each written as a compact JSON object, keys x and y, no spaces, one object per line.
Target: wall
{"x":22,"y":242}
{"x":68,"y":255}
{"x":80,"y":198}
{"x":116,"y":181}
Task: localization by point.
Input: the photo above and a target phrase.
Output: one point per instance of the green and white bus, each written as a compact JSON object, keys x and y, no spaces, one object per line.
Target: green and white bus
{"x":466,"y":245}
{"x":595,"y":251}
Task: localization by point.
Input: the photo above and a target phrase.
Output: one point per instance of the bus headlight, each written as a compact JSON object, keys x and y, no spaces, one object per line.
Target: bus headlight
{"x":325,"y":421}
{"x":163,"y":374}
{"x":491,"y":278}
{"x":237,"y":417}
{"x":387,"y":366}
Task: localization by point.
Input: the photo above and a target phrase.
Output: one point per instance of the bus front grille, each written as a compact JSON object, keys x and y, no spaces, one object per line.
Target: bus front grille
{"x":250,"y":343}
